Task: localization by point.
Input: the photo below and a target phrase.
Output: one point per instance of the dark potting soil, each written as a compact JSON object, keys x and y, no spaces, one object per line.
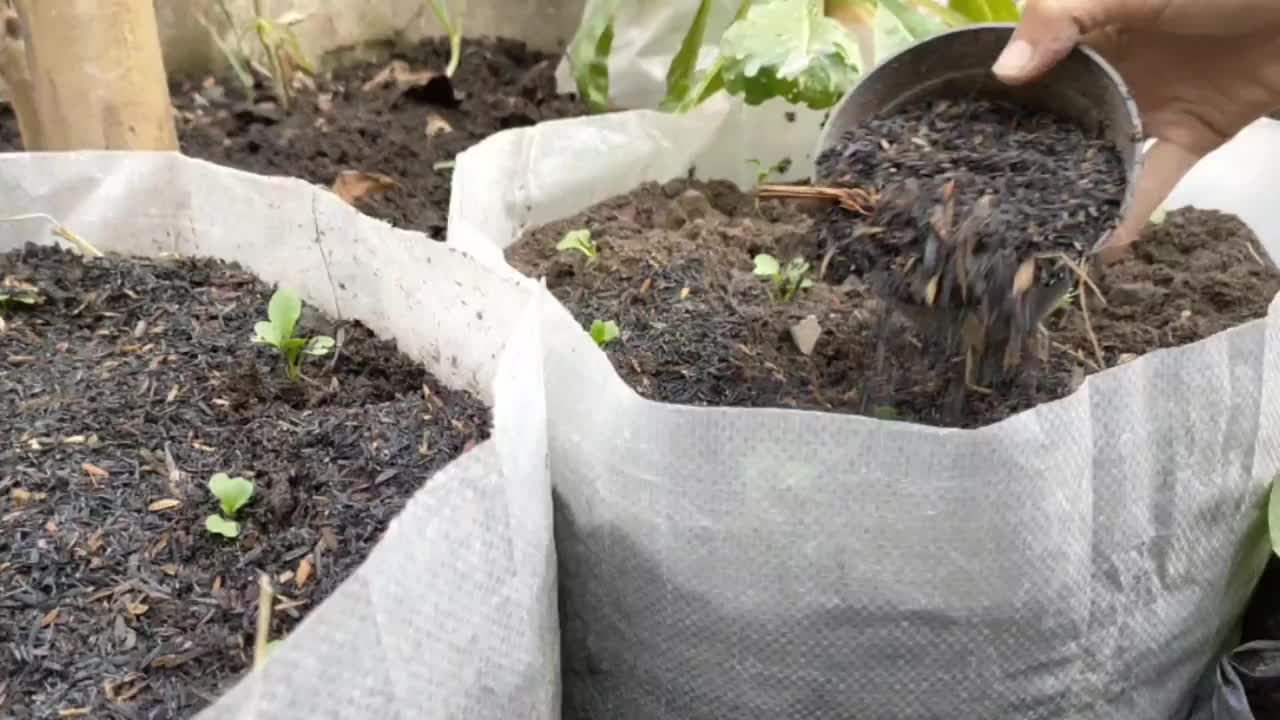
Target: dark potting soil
{"x":119,"y":397}
{"x":401,"y":133}
{"x":969,"y":192}
{"x":674,"y":270}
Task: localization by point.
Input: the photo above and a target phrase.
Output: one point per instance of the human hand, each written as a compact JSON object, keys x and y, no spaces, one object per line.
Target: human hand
{"x":1199,"y":71}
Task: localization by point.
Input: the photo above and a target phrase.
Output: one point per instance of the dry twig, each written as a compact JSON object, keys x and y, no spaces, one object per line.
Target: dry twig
{"x":855,"y":199}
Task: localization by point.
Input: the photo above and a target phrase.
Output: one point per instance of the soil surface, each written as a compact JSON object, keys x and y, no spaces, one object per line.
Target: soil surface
{"x":395,"y":130}
{"x":968,"y":192}
{"x":120,"y":396}
{"x":675,"y":272}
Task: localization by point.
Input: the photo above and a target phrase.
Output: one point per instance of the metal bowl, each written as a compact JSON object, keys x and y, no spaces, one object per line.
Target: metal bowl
{"x":957,"y":64}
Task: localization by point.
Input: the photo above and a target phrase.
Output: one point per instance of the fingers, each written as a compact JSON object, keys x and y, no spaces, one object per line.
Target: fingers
{"x":1163,"y":166}
{"x":1042,"y":38}
{"x":1050,"y":29}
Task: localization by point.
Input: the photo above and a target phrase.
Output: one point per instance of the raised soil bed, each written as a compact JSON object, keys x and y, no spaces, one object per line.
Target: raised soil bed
{"x":675,"y":272}
{"x":401,"y":133}
{"x":120,"y":396}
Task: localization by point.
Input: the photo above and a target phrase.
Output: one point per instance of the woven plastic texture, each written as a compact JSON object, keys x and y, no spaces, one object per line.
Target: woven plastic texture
{"x":453,"y":615}
{"x":1087,"y":559}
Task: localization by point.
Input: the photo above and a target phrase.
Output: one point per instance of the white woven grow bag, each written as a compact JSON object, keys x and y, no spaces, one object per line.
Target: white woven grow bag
{"x":453,"y":613}
{"x":1089,"y":558}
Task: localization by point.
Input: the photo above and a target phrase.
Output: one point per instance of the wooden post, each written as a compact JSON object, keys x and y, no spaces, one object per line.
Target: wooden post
{"x":97,"y":76}
{"x":14,"y":75}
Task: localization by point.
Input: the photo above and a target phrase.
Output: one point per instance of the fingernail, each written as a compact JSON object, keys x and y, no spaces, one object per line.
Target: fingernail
{"x":1016,"y":56}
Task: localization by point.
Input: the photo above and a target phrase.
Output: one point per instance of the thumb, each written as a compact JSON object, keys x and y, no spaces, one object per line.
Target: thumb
{"x":1163,"y":166}
{"x":1050,"y":29}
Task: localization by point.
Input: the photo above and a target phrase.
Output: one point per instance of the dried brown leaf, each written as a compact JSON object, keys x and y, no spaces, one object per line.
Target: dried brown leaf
{"x":352,"y":185}
{"x":305,"y":569}
{"x":164,"y":504}
{"x":1024,"y":277}
{"x":94,"y":471}
{"x":437,"y":125}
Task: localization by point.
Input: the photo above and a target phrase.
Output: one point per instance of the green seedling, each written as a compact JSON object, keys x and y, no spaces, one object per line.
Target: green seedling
{"x":443,"y":165}
{"x":283,"y":50}
{"x":1158,"y":217}
{"x":279,"y":44}
{"x":604,"y":332}
{"x":1064,"y":302}
{"x":234,"y":50}
{"x":764,"y":173}
{"x":277,"y":331}
{"x":232,"y":494}
{"x":788,"y":279}
{"x":453,"y":29}
{"x":579,"y":240}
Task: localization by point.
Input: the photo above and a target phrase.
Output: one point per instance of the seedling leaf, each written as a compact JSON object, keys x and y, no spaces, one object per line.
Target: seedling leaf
{"x":589,"y":56}
{"x":789,"y":49}
{"x":767,"y":265}
{"x":454,"y":30}
{"x":788,"y":280}
{"x":232,"y":492}
{"x":283,"y":311}
{"x":683,"y":66}
{"x":319,"y":345}
{"x":579,"y":240}
{"x":604,"y":332}
{"x":219,"y":525}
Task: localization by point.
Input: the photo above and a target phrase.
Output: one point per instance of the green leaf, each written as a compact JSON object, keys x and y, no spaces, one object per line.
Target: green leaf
{"x":284,"y":310}
{"x":1158,"y":217}
{"x":767,"y":265}
{"x":981,"y":11}
{"x":266,"y":333}
{"x":319,"y":345}
{"x":589,"y":56}
{"x":789,"y":49}
{"x":272,"y":646}
{"x":604,"y":332}
{"x":681,"y":72}
{"x":232,"y":492}
{"x":219,"y":525}
{"x":579,"y":240}
{"x":1273,"y":515}
{"x":899,"y":25}
{"x":453,"y":30}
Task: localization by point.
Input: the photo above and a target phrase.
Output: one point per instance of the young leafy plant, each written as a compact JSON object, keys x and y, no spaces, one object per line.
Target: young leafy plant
{"x":799,"y":50}
{"x":580,"y":241}
{"x":588,"y":56}
{"x":604,"y":332}
{"x":283,"y":50}
{"x":278,"y":41}
{"x":453,"y":29}
{"x":789,"y":49}
{"x":232,"y":493}
{"x":787,"y":280}
{"x":764,"y":173}
{"x":234,"y":50}
{"x":277,"y":331}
